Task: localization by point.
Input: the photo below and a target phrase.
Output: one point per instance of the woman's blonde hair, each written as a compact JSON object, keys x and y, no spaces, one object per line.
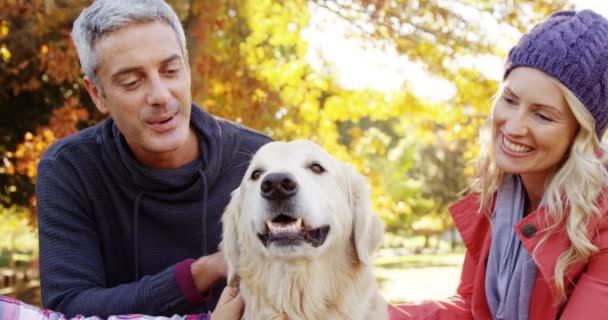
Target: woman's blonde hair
{"x":572,"y":194}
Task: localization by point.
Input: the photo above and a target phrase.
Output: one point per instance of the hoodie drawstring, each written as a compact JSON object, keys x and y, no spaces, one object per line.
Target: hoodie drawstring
{"x":137,"y":204}
{"x":204,"y":220}
{"x":204,"y":213}
{"x":136,"y":234}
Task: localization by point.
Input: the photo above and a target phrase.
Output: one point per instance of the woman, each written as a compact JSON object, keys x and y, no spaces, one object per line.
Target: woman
{"x":535,"y":226}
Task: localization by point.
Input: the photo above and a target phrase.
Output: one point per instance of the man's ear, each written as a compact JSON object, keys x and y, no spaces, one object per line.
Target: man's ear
{"x":187,"y":59}
{"x":96,"y":95}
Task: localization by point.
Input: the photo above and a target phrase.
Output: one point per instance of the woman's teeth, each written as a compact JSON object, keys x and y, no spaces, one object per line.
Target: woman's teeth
{"x":515,"y":147}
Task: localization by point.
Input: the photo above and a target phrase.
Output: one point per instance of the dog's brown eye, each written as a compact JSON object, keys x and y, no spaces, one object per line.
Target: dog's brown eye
{"x":317,"y":168}
{"x":255,"y":175}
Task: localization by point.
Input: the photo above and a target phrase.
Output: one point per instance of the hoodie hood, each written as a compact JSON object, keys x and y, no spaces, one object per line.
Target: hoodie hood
{"x":128,"y":170}
{"x":187,"y":184}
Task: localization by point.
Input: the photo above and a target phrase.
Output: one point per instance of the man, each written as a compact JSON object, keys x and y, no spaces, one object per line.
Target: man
{"x":125,"y":207}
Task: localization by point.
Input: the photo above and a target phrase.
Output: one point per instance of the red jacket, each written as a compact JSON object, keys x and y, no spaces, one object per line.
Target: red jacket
{"x":586,"y":284}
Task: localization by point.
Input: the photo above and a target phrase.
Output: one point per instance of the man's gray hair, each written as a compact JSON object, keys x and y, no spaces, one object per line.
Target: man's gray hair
{"x":105,"y":16}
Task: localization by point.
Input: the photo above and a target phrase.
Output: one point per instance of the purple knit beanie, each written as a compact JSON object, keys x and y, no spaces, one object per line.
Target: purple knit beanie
{"x":572,"y":47}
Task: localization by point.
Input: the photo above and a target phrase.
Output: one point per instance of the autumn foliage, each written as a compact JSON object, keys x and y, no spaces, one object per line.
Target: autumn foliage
{"x":249,"y":64}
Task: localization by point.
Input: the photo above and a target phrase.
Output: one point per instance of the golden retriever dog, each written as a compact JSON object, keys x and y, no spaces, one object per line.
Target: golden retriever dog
{"x":299,"y":232}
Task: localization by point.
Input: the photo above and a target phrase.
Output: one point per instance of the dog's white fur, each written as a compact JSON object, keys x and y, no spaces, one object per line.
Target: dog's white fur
{"x":332,"y":281}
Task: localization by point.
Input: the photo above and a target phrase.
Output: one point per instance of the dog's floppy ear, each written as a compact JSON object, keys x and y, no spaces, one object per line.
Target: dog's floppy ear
{"x":367,"y":227}
{"x":229,"y":243}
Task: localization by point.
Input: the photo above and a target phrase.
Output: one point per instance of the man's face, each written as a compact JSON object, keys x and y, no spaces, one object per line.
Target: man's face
{"x":144,"y":84}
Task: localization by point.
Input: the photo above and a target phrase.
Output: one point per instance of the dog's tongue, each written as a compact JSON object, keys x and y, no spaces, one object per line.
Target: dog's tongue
{"x":292,"y":227}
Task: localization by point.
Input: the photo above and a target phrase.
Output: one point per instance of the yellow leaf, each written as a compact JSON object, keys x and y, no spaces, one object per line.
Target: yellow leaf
{"x":4,"y":28}
{"x":5,"y":53}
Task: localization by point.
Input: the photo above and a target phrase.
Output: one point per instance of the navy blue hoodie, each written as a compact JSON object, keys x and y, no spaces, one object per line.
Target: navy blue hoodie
{"x":111,"y":230}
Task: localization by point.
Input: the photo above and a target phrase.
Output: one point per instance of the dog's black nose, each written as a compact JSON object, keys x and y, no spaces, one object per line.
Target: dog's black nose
{"x":279,"y":186}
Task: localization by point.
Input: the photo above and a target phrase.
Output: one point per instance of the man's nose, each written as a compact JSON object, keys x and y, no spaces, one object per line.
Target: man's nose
{"x":158,"y":92}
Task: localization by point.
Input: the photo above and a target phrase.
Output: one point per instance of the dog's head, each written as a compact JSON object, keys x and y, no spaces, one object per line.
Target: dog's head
{"x":297,"y":201}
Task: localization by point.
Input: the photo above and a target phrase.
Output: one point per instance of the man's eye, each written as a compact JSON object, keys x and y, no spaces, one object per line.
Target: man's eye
{"x":317,"y":168}
{"x":129,"y":84}
{"x":173,"y":70}
{"x":255,"y":175}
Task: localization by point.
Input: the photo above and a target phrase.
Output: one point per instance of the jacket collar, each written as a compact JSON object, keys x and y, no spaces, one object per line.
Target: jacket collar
{"x":546,"y":254}
{"x":555,"y":244}
{"x":474,"y":226}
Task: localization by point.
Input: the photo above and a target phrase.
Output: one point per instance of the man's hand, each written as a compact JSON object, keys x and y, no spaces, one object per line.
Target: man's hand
{"x":230,"y":305}
{"x":207,"y":270}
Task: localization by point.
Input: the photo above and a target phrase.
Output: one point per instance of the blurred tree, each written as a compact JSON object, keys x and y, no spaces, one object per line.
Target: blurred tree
{"x":441,"y":169}
{"x":442,"y":37}
{"x":249,"y":64}
{"x":39,"y":99}
{"x":439,"y":35}
{"x":16,"y":234}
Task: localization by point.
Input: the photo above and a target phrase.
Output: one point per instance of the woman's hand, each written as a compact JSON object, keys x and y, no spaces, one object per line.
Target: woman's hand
{"x":229,"y":306}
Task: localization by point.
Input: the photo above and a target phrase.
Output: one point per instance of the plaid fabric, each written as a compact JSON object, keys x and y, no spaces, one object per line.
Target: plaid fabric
{"x":11,"y":309}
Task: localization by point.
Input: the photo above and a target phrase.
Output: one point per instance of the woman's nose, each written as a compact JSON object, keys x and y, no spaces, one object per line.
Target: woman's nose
{"x":516,"y":124}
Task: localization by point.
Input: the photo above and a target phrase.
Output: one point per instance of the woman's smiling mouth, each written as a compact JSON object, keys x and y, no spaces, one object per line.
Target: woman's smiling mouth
{"x":514,"y":147}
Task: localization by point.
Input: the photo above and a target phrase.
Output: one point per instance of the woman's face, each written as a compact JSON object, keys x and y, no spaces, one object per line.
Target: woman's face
{"x":533,"y":126}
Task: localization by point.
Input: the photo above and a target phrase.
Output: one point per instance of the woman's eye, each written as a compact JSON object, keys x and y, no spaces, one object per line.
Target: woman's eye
{"x":544,"y":117}
{"x":508,"y":100}
{"x":317,"y":168}
{"x":255,"y":175}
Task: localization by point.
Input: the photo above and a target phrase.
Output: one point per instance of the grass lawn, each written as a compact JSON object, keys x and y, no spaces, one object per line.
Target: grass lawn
{"x":414,"y":278}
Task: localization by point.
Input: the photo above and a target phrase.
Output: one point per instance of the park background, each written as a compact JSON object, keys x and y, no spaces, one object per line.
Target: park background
{"x":397,"y":88}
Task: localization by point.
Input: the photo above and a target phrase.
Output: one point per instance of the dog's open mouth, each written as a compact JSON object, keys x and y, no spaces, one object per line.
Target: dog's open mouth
{"x":285,"y":231}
